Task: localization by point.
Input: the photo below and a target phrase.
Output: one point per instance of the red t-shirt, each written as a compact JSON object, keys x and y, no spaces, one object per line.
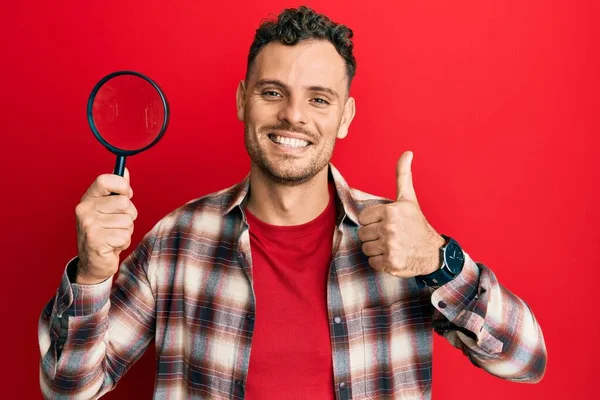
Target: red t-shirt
{"x":291,"y":349}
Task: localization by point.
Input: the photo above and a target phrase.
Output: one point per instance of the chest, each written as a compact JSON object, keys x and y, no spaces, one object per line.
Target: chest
{"x":209,"y":299}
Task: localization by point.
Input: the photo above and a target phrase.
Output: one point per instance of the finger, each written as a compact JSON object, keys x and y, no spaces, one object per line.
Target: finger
{"x":133,"y":211}
{"x":377,"y":263}
{"x":119,"y":240}
{"x":116,"y":221}
{"x":128,"y":179}
{"x":368,"y":233}
{"x":371,"y":215}
{"x":115,"y":205}
{"x":106,"y":184}
{"x":373,"y":248}
{"x":405,"y":189}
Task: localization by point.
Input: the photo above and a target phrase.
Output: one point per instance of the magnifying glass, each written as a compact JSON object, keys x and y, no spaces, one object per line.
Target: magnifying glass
{"x":128,"y":113}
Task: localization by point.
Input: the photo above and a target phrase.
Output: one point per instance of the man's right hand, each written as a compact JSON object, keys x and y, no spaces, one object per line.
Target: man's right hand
{"x":104,"y":227}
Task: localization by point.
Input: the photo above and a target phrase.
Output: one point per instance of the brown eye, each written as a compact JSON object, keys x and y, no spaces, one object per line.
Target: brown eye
{"x":271,"y":93}
{"x":319,"y":100}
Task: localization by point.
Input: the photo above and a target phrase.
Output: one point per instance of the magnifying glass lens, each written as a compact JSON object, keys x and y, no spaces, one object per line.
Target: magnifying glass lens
{"x":128,"y":112}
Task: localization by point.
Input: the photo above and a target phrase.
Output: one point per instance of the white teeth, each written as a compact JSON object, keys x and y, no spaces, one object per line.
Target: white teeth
{"x":289,"y":142}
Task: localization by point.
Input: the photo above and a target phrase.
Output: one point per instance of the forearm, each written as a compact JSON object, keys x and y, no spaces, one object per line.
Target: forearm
{"x":78,"y":360}
{"x":72,"y":331}
{"x":492,"y":326}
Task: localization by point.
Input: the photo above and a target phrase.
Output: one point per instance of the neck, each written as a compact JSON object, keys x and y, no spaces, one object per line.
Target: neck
{"x":283,"y":205}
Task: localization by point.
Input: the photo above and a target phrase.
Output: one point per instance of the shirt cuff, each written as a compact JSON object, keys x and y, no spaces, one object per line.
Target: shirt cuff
{"x":79,"y":300}
{"x":463,"y":301}
{"x":457,"y":295}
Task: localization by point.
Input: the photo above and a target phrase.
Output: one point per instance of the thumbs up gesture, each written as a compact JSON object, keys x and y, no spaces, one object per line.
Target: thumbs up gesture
{"x":396,"y":236}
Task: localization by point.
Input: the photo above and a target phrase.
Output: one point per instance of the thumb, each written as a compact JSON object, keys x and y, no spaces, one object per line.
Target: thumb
{"x":405,"y":188}
{"x":128,"y":178}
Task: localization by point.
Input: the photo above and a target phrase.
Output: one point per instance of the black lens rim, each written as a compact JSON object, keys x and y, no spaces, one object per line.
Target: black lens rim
{"x":110,"y":147}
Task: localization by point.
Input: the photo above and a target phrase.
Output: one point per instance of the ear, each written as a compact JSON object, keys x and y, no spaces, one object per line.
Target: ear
{"x":240,"y":98}
{"x":347,"y":117}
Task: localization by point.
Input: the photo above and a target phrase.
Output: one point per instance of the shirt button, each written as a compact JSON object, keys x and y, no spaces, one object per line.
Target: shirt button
{"x":343,"y":385}
{"x":442,"y":304}
{"x":337,"y":320}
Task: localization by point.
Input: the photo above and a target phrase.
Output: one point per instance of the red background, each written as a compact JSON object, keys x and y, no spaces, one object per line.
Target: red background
{"x":497,"y":99}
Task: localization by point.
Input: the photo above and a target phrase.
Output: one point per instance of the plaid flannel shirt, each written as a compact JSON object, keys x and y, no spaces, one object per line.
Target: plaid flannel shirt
{"x":188,"y":285}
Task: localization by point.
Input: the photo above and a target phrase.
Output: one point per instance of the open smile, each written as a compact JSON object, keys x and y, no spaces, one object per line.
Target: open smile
{"x":292,"y":143}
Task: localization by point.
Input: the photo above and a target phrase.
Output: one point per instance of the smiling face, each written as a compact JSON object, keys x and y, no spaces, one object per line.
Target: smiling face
{"x":294,"y":105}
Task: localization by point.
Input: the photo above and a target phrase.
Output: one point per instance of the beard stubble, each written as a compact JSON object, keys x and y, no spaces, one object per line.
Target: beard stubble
{"x":285,"y":170}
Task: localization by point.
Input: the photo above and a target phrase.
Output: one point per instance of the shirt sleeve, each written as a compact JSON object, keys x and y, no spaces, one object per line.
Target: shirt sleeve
{"x":89,"y":335}
{"x":493,"y":327}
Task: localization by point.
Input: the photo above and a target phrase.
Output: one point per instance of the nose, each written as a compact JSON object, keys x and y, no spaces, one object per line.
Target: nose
{"x":292,"y":110}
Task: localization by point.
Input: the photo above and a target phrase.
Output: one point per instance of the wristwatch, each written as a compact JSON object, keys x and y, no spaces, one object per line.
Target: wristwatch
{"x":452,"y":260}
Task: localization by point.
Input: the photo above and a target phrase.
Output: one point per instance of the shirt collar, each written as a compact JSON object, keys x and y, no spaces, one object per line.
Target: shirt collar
{"x":237,"y":196}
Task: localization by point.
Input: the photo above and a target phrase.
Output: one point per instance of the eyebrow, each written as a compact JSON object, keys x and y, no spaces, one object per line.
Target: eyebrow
{"x":313,"y":88}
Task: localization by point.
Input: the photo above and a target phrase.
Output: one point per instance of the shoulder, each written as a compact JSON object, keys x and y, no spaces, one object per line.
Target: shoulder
{"x":203,"y":214}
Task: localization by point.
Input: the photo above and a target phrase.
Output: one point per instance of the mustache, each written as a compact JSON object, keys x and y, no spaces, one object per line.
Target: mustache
{"x":286,"y":127}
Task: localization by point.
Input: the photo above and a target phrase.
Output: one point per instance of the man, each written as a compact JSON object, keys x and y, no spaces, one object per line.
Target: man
{"x":288,"y":285}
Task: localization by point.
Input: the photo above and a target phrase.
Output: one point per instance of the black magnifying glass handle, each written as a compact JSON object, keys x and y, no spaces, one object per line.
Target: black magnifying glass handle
{"x":120,"y":166}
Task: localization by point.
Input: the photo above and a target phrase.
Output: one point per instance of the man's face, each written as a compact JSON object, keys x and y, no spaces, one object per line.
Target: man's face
{"x":294,"y":106}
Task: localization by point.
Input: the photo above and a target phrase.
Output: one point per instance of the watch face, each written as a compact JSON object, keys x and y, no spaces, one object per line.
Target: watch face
{"x":454,"y":257}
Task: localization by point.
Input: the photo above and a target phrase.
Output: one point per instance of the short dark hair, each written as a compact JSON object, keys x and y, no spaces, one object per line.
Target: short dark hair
{"x":296,"y":25}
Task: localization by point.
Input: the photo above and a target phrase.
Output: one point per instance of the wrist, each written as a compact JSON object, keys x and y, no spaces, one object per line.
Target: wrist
{"x":452,"y":262}
{"x":81,"y":278}
{"x":436,"y":261}
{"x":84,"y":280}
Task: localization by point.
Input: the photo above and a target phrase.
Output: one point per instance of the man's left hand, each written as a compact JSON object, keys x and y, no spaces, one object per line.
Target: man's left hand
{"x":397,"y":237}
